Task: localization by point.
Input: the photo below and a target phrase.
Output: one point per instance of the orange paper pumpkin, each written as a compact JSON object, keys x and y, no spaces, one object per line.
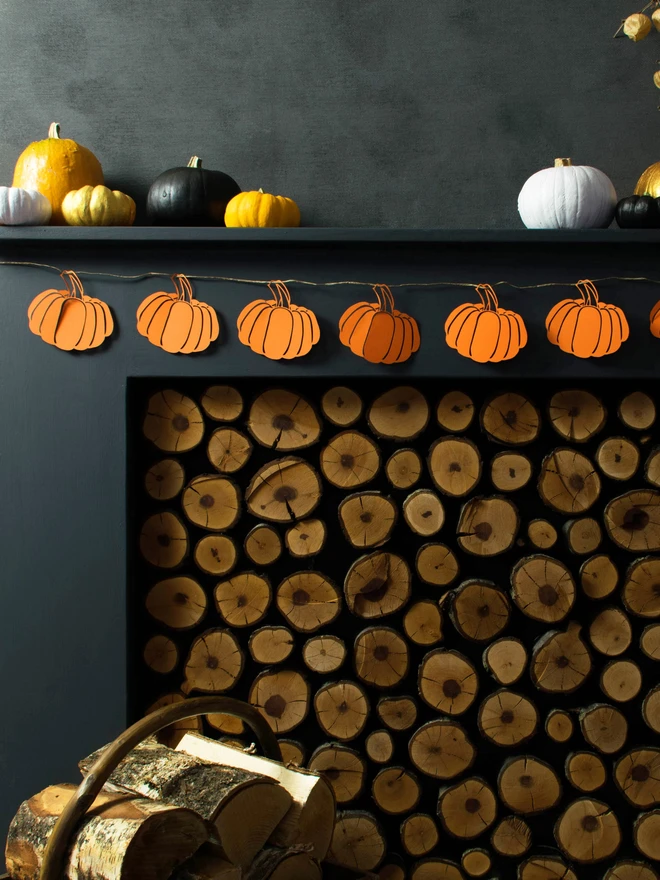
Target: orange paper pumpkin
{"x":276,"y":328}
{"x":483,"y":331}
{"x":378,"y":332}
{"x":176,"y":322}
{"x":655,"y":319}
{"x":585,"y":326}
{"x":69,"y":319}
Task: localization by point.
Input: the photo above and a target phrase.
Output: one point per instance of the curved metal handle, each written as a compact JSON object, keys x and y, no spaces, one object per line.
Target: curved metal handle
{"x":52,"y":866}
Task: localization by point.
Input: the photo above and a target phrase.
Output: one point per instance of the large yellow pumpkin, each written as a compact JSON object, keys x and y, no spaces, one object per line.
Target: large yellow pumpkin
{"x":649,"y":183}
{"x":54,"y":167}
{"x":98,"y":206}
{"x":262,"y":210}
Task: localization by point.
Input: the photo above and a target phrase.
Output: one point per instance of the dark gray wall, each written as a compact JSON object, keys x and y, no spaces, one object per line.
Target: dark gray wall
{"x":387,"y":113}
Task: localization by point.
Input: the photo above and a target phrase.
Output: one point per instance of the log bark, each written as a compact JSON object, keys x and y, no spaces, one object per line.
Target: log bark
{"x":214,"y":664}
{"x":399,"y":414}
{"x":604,"y":727}
{"x":424,"y":513}
{"x":222,"y":403}
{"x":283,"y":420}
{"x":271,"y":644}
{"x":576,"y":415}
{"x":488,"y":526}
{"x":542,"y":534}
{"x":641,"y":588}
{"x":243,"y":599}
{"x":208,"y":863}
{"x":476,"y":862}
{"x":263,"y":545}
{"x":324,"y":653}
{"x":381,"y":657}
{"x":441,"y":749}
{"x":646,"y":834}
{"x":164,"y":540}
{"x":358,"y":841}
{"x":228,"y":450}
{"x":114,"y":840}
{"x":284,"y":490}
{"x":545,"y":868}
{"x":585,"y":771}
{"x":289,"y":863}
{"x":618,"y":458}
{"x":560,"y":661}
{"x":621,"y":680}
{"x":379,"y":746}
{"x":164,"y":480}
{"x":637,"y":411}
{"x":455,"y":466}
{"x":341,"y":406}
{"x":511,"y":419}
{"x":650,"y":641}
{"x":419,"y":834}
{"x":404,"y":468}
{"x":282,"y":697}
{"x":173,"y":422}
{"x":528,"y":785}
{"x":543,"y":588}
{"x":506,"y":660}
{"x":395,"y":790}
{"x":468,"y":808}
{"x":478,"y":610}
{"x":306,"y":538}
{"x":212,"y":502}
{"x":398,"y":713}
{"x":215,"y":554}
{"x":610,"y":632}
{"x":559,"y":725}
{"x":436,"y":564}
{"x":367,"y":519}
{"x":583,"y":535}
{"x":178,"y":602}
{"x":161,"y":654}
{"x":510,"y":471}
{"x":637,"y":775}
{"x":377,"y":585}
{"x":341,"y":709}
{"x":632,"y":521}
{"x":422,"y":623}
{"x":507,"y":719}
{"x":511,"y":837}
{"x":448,"y":681}
{"x":350,"y":459}
{"x":343,"y":769}
{"x":588,"y":831}
{"x":568,"y":481}
{"x":455,"y":411}
{"x":598,"y":576}
{"x":308,"y":600}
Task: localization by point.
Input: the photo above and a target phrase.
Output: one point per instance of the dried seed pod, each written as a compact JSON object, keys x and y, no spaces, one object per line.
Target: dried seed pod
{"x":511,"y":419}
{"x":507,"y":719}
{"x":598,"y":576}
{"x":559,"y":725}
{"x":621,"y":680}
{"x":422,"y":623}
{"x":637,"y":26}
{"x":576,"y":415}
{"x":618,"y":458}
{"x":467,"y":808}
{"x":441,"y":749}
{"x":341,"y":709}
{"x":588,"y":831}
{"x":164,"y":479}
{"x":341,"y":406}
{"x":404,"y":468}
{"x":542,"y":534}
{"x":342,"y":767}
{"x":511,"y":837}
{"x":528,"y":785}
{"x":637,"y":775}
{"x":396,"y":790}
{"x":398,"y":713}
{"x":568,"y":481}
{"x":350,"y":460}
{"x":585,"y":770}
{"x":419,"y":834}
{"x":510,"y":471}
{"x":424,"y":513}
{"x":283,"y":420}
{"x":455,"y":411}
{"x":381,"y":657}
{"x":455,"y":466}
{"x":506,"y":660}
{"x":610,"y":632}
{"x":543,"y":588}
{"x":604,"y":727}
{"x":478,"y":610}
{"x":448,"y":681}
{"x":436,"y":564}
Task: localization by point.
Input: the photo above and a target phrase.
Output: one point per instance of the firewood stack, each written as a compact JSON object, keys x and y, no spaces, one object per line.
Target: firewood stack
{"x":202,"y":811}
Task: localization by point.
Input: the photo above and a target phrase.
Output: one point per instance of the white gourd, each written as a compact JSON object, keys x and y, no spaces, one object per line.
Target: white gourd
{"x":23,"y":207}
{"x":567,"y":197}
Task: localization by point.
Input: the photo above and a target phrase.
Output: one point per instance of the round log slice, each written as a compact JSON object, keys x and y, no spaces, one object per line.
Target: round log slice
{"x":306,"y":537}
{"x":342,"y":767}
{"x":419,"y":834}
{"x":618,"y":458}
{"x":308,"y":600}
{"x":283,"y":420}
{"x":214,"y":664}
{"x":455,"y":411}
{"x":507,"y":719}
{"x":621,"y":680}
{"x":398,"y":713}
{"x":588,"y":831}
{"x":467,"y":808}
{"x":511,"y":419}
{"x":568,"y":481}
{"x":173,"y":422}
{"x":545,"y":868}
{"x":436,"y":564}
{"x":632,"y":520}
{"x":629,"y":869}
{"x":510,"y":471}
{"x":422,"y":623}
{"x":341,"y":406}
{"x":399,"y":414}
{"x":178,"y":602}
{"x":559,"y":725}
{"x":215,"y":554}
{"x":604,"y":727}
{"x":610,"y":632}
{"x":164,"y":540}
{"x":652,"y":467}
{"x":379,"y":746}
{"x":282,"y":697}
{"x":222,"y":403}
{"x":583,"y":535}
{"x":367,"y":519}
{"x":243,"y":599}
{"x":649,"y":641}
{"x":341,"y":709}
{"x":396,"y":790}
{"x":646,"y":834}
{"x":212,"y":502}
{"x":448,"y":681}
{"x":358,"y":841}
{"x":560,"y":661}
{"x":161,"y":654}
{"x":478,"y":610}
{"x":284,"y":490}
{"x":271,"y":644}
{"x":543,"y":588}
{"x":164,"y":479}
{"x":637,"y":775}
{"x":585,"y":771}
{"x":637,"y":411}
{"x":350,"y":460}
{"x":263,"y":545}
{"x":441,"y":749}
{"x":424,"y":513}
{"x":598,"y":576}
{"x":542,"y":534}
{"x":228,"y":450}
{"x":506,"y":660}
{"x":641,"y":588}
{"x":576,"y":415}
{"x":476,"y":862}
{"x":377,"y":585}
{"x":455,"y":466}
{"x":381,"y":657}
{"x":404,"y":468}
{"x":488,"y":526}
{"x":528,"y":785}
{"x":324,"y":653}
{"x":512,"y":837}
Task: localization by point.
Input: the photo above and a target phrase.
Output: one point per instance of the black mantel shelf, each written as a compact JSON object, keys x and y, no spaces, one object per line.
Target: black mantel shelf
{"x":153,"y":235}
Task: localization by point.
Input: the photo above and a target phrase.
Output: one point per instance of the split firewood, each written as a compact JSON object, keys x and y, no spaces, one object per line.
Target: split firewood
{"x":455,"y":411}
{"x":212,"y":502}
{"x":637,"y":775}
{"x":436,"y":564}
{"x":288,"y":863}
{"x":432,"y":869}
{"x":398,"y":713}
{"x":208,"y":863}
{"x":173,"y":422}
{"x":478,"y":610}
{"x":419,"y":834}
{"x":228,"y":450}
{"x":448,"y":681}
{"x":284,"y":490}
{"x":214,"y":664}
{"x":488,"y":526}
{"x":511,"y":419}
{"x":170,"y":735}
{"x":228,"y":724}
{"x":422,"y":623}
{"x":633,"y":520}
{"x":455,"y":465}
{"x":507,"y":719}
{"x":160,"y":654}
{"x":442,"y":749}
{"x":511,"y":837}
{"x":576,"y":415}
{"x":215,"y":554}
{"x":283,"y":420}
{"x":341,"y":709}
{"x":399,"y":414}
{"x":263,"y":545}
{"x":377,"y":584}
{"x":476,"y":862}
{"x":542,"y":534}
{"x":367,"y":519}
{"x":604,"y":727}
{"x":221,"y":795}
{"x":164,"y":540}
{"x":646,"y":834}
{"x":506,"y":660}
{"x":396,"y":790}
{"x":164,"y":480}
{"x":379,"y":746}
{"x":545,"y":868}
{"x":404,"y":468}
{"x":528,"y":785}
{"x":381,"y":657}
{"x":324,"y":653}
{"x":559,"y":725}
{"x":423,"y":512}
{"x":111,"y":841}
{"x":568,"y":481}
{"x":308,"y":600}
{"x":312,"y":811}
{"x":641,"y":588}
{"x":342,"y":768}
{"x":560,"y":661}
{"x":358,"y":841}
{"x":543,"y":588}
{"x":510,"y":471}
{"x":468,"y":808}
{"x":293,"y":753}
{"x":621,"y":680}
{"x":598,"y":577}
{"x":222,"y":403}
{"x":243,"y":599}
{"x":588,"y":831}
{"x":178,"y":602}
{"x":652,"y":467}
{"x":637,"y":411}
{"x":585,"y":771}
{"x":350,"y":459}
{"x":271,"y":644}
{"x":306,"y":537}
{"x":583,"y":535}
{"x":618,"y":458}
{"x":650,"y":641}
{"x":610,"y":632}
{"x":282,"y":697}
{"x":628,"y":869}
{"x":651,"y":709}
{"x":341,"y":406}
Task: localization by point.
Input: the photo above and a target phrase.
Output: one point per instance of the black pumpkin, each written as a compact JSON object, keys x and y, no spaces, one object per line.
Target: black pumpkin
{"x":190,"y":196}
{"x":638,"y":212}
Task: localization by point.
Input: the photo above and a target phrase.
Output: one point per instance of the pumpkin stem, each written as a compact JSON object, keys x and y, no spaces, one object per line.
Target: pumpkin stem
{"x":588,"y":290}
{"x":385,"y":298}
{"x":54,"y":130}
{"x":487,"y":297}
{"x":183,"y":287}
{"x":73,"y":283}
{"x":195,"y":162}
{"x":563,"y":163}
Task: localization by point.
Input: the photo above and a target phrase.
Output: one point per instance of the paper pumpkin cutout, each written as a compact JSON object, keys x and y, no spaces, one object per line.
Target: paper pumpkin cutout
{"x":483,"y":331}
{"x":585,"y":326}
{"x":378,"y":332}
{"x":655,"y":320}
{"x":276,"y":328}
{"x":176,"y":322}
{"x":69,"y":319}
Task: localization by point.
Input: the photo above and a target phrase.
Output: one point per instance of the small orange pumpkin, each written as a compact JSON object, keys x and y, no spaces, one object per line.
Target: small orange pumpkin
{"x":378,"y":332}
{"x":585,"y":326}
{"x":276,"y":328}
{"x":69,"y":319}
{"x":176,"y":322}
{"x":483,"y":331}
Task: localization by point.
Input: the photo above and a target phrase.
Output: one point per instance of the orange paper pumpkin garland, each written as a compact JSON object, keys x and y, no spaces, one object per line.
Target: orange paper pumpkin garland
{"x":585,"y":326}
{"x":276,"y":328}
{"x":483,"y":331}
{"x":655,"y":320}
{"x":378,"y":332}
{"x":176,"y":322}
{"x":69,"y":319}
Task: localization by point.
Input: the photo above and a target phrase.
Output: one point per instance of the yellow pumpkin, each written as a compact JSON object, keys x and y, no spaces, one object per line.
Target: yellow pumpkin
{"x":260,"y":209}
{"x":54,"y":167}
{"x":98,"y":206}
{"x":649,"y":183}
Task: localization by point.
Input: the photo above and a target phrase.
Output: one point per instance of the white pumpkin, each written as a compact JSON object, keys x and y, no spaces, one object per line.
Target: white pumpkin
{"x":23,"y":207}
{"x":567,"y":197}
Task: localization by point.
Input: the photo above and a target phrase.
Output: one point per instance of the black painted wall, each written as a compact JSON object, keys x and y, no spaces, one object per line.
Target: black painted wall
{"x":386,"y":113}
